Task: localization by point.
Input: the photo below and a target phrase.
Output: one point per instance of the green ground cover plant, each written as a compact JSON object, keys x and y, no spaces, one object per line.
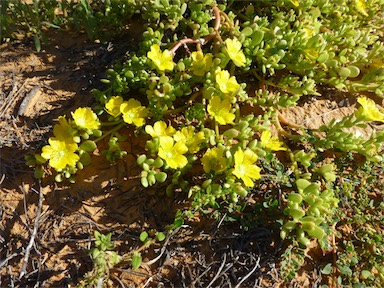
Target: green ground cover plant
{"x":205,"y":89}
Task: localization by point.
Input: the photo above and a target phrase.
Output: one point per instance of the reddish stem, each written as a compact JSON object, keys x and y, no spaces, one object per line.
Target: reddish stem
{"x":200,"y":41}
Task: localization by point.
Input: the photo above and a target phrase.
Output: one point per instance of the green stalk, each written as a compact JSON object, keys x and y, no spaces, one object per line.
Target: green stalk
{"x":117,"y":128}
{"x":217,"y":131}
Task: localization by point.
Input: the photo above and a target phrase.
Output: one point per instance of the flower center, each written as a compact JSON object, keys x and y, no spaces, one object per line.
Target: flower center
{"x":242,"y":169}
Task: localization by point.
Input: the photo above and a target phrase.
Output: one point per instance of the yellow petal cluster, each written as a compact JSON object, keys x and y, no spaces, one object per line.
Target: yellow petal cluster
{"x":361,"y":6}
{"x":162,"y":60}
{"x":64,"y":131}
{"x":201,"y":63}
{"x":220,"y":110}
{"x":85,"y":118}
{"x":214,"y":160}
{"x":60,"y":153}
{"x":173,"y":152}
{"x":368,"y":110}
{"x":133,"y":112}
{"x":113,"y":105}
{"x":245,"y":169}
{"x":191,"y":139}
{"x":226,"y":83}
{"x":159,"y":129}
{"x":234,"y":51}
{"x":271,"y":143}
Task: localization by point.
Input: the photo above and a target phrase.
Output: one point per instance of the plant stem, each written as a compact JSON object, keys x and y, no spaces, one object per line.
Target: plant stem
{"x":182,"y":108}
{"x":217,"y":130}
{"x":111,"y":123}
{"x":200,"y":41}
{"x":175,"y":111}
{"x":117,"y":128}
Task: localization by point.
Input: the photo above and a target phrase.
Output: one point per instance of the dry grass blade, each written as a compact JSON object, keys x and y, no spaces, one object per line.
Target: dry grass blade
{"x":33,"y":235}
{"x":218,"y":272}
{"x":257,"y":265}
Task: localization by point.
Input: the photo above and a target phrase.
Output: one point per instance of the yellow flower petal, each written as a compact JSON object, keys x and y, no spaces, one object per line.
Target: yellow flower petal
{"x":159,"y":129}
{"x":85,"y":118}
{"x":214,"y":160}
{"x":201,"y":63}
{"x":113,"y":105}
{"x":227,"y":84}
{"x":162,"y":60}
{"x":220,"y":110}
{"x":172,"y":153}
{"x":63,"y":131}
{"x":245,"y":168}
{"x":133,"y":112}
{"x":190,"y":138}
{"x":60,"y":153}
{"x":234,"y":51}
{"x":368,"y":110}
{"x":361,"y":6}
{"x":271,"y":143}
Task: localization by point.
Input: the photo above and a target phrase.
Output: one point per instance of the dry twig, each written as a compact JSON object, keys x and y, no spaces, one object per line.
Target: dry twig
{"x":33,"y":235}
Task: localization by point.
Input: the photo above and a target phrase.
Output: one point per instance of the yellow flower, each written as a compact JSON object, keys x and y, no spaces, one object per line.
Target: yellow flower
{"x":63,"y":131}
{"x":159,"y":129}
{"x":234,"y":52}
{"x":201,"y":63}
{"x":133,"y":112}
{"x":213,"y":160}
{"x":220,"y":110}
{"x":85,"y":118}
{"x":113,"y":105}
{"x":368,"y":110}
{"x":271,"y":143}
{"x":60,"y":153}
{"x":361,"y":6}
{"x":245,"y":168}
{"x":190,"y":138}
{"x":227,"y":84}
{"x":295,"y":2}
{"x":162,"y":60}
{"x":172,"y":152}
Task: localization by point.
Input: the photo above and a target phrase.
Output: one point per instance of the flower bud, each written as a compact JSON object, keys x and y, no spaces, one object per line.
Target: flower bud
{"x":80,"y":165}
{"x":59,"y":178}
{"x":97,"y":133}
